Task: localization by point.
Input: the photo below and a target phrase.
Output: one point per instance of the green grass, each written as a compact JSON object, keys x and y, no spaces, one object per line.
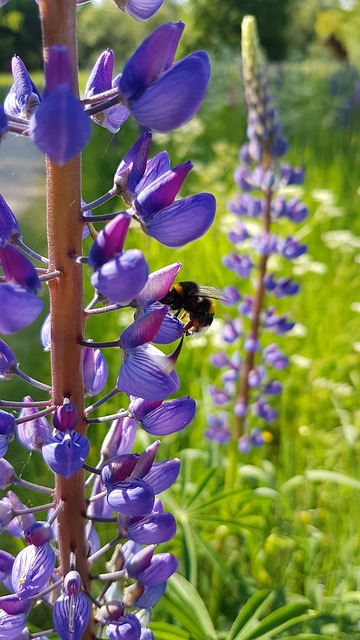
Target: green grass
{"x":283,"y":527}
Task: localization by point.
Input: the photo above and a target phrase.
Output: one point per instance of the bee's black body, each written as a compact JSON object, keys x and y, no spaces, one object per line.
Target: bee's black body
{"x":197,"y":301}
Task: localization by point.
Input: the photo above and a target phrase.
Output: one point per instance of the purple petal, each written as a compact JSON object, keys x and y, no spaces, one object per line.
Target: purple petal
{"x":156,"y":167}
{"x":141,"y":10}
{"x":171,"y":329}
{"x":112,"y":118}
{"x":20,"y":523}
{"x":161,"y":193}
{"x":120,"y":438}
{"x":95,"y":371}
{"x":147,"y":634}
{"x":143,"y":330}
{"x":154,"y":56}
{"x":18,"y":308}
{"x":8,"y":360}
{"x":131,"y":168}
{"x":58,"y":70}
{"x":4,"y":125}
{"x":110,"y":241}
{"x":100,"y":78}
{"x":9,"y":227}
{"x":145,"y":460}
{"x":100,"y":507}
{"x":153,"y":529}
{"x":127,"y":628}
{"x":170,"y":417}
{"x":13,"y":605}
{"x":150,"y":596}
{"x":60,"y":127}
{"x":133,"y":497}
{"x":65,"y":454}
{"x":162,"y":566}
{"x":7,"y":473}
{"x":121,"y":279}
{"x":71,"y":616}
{"x":32,"y":569}
{"x":24,"y":96}
{"x":46,"y":333}
{"x":175,"y":97}
{"x":7,"y":423}
{"x":163,"y":474}
{"x":144,"y":374}
{"x":183,"y":221}
{"x":158,"y":284}
{"x":18,"y":268}
{"x":11,"y":625}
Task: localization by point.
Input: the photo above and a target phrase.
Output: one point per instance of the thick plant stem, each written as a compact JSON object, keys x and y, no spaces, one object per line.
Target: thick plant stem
{"x":64,"y":232}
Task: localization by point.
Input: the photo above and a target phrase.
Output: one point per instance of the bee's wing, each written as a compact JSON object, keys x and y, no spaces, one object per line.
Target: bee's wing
{"x":211,"y":292}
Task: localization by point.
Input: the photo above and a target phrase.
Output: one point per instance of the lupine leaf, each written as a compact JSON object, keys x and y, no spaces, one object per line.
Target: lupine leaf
{"x":248,"y":612}
{"x":184,"y":602}
{"x":190,"y":554}
{"x":276,"y":621}
{"x":166,"y":631}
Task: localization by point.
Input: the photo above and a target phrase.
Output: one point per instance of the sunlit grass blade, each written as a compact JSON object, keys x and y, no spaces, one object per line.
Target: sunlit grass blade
{"x":248,"y":613}
{"x":277,"y":621}
{"x":166,"y":631}
{"x":184,"y":603}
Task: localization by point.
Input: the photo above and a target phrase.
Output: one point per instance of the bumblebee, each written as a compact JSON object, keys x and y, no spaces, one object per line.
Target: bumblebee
{"x":196,"y":301}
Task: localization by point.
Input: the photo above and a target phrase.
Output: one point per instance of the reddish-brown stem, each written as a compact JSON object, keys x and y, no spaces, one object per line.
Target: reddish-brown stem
{"x":64,"y":232}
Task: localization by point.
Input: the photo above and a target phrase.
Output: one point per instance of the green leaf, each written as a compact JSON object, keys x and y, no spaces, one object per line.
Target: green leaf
{"x":322,"y":475}
{"x":278,"y":620}
{"x":190,"y":554}
{"x":201,"y":484}
{"x":248,"y":612}
{"x":184,"y":603}
{"x":166,"y":631}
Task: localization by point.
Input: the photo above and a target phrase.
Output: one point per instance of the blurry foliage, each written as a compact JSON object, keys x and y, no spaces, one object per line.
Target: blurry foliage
{"x":20,"y":33}
{"x":340,"y":29}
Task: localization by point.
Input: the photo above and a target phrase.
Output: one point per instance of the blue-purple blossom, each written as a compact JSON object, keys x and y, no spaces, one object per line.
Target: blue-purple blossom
{"x":66,"y":417}
{"x":126,"y":628}
{"x":33,"y":433}
{"x":140,"y":10}
{"x":119,"y":438}
{"x":218,"y":427}
{"x":59,"y":126}
{"x":65,"y":453}
{"x":122,"y":278}
{"x":71,"y":615}
{"x":9,"y":227}
{"x":110,"y":241}
{"x":38,"y":533}
{"x":11,"y":625}
{"x":167,"y":417}
{"x":3,"y":122}
{"x":99,"y":81}
{"x":32,"y":569}
{"x":23,"y":97}
{"x":7,"y":429}
{"x":7,"y":473}
{"x":161,"y":94}
{"x":95,"y":371}
{"x":154,"y":528}
{"x":18,"y":308}
{"x":6,"y":565}
{"x":20,"y":523}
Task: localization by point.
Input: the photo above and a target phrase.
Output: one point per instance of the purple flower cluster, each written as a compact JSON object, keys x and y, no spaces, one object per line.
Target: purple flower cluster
{"x":249,"y":375}
{"x":122,"y":489}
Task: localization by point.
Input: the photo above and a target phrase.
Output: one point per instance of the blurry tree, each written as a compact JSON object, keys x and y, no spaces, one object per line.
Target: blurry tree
{"x":99,"y":30}
{"x":20,"y":33}
{"x":214,"y":24}
{"x":339,"y":28}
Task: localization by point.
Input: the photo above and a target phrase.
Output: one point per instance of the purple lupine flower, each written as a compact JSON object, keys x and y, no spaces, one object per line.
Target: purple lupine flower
{"x":127,"y":627}
{"x":174,"y":224}
{"x":219,"y":396}
{"x":20,"y":523}
{"x":263,"y":410}
{"x":149,"y":596}
{"x":120,"y":438}
{"x":38,"y":533}
{"x":110,"y":241}
{"x":274,"y":357}
{"x":297,"y":211}
{"x":71,"y":615}
{"x":32,"y":569}
{"x":66,"y":417}
{"x":7,"y":429}
{"x":11,"y":626}
{"x":59,"y":126}
{"x":168,"y":417}
{"x":65,"y":453}
{"x":6,"y":515}
{"x":154,"y":528}
{"x":18,"y":308}
{"x":146,"y":634}
{"x":95,"y":371}
{"x":291,"y":248}
{"x":131,"y":169}
{"x":218,"y":427}
{"x":122,"y":278}
{"x":99,"y":81}
{"x":150,"y":569}
{"x":100,"y":507}
{"x":256,"y":377}
{"x":7,"y":473}
{"x":33,"y":433}
{"x":161,"y":94}
{"x":163,"y":474}
{"x":23,"y":97}
{"x":138,"y":9}
{"x":9,"y":227}
{"x":6,"y":565}
{"x":146,"y":372}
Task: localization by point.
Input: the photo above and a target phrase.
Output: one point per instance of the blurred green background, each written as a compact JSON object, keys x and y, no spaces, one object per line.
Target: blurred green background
{"x":290,"y":523}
